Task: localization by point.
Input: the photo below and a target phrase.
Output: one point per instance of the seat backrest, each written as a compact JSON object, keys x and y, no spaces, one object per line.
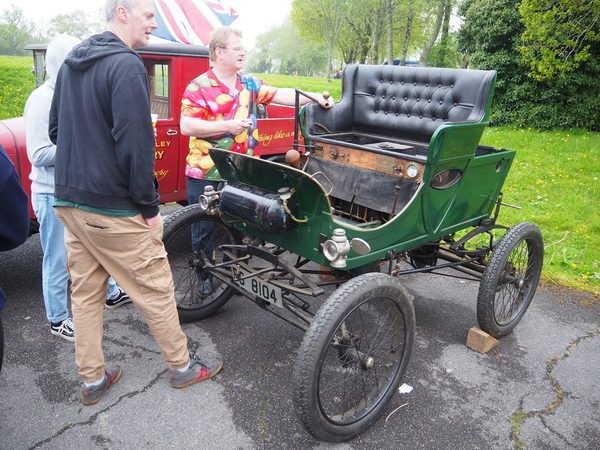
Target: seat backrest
{"x":404,"y":102}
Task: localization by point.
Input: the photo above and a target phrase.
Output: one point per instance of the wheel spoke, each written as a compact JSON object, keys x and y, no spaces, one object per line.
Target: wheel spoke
{"x":353,"y":356}
{"x":349,"y":387}
{"x":513,"y":284}
{"x":192,"y":241}
{"x":510,"y":279}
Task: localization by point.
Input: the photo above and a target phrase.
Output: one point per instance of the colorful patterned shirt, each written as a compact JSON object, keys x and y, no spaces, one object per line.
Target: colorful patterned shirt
{"x":209,"y":99}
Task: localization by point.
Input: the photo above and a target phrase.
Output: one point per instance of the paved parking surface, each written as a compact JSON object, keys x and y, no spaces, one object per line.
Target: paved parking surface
{"x":538,"y":389}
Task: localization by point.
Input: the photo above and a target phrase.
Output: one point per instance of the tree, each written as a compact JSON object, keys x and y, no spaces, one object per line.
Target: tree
{"x":445,"y":52}
{"x":355,"y":41}
{"x":389,"y":10}
{"x":445,"y":41}
{"x":377,"y":18}
{"x":259,"y":60}
{"x":15,"y":32}
{"x":378,"y":30}
{"x":559,"y":35}
{"x":320,"y":21}
{"x":410,"y":17}
{"x":76,"y":24}
{"x":439,"y":17}
{"x":491,"y":36}
{"x":281,"y":49}
{"x":490,"y":28}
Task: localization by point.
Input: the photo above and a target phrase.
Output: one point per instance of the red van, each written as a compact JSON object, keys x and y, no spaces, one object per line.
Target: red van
{"x":171,"y":68}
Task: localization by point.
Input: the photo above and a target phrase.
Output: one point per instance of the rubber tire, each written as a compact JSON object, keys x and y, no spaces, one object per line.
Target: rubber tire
{"x":319,"y":362}
{"x":502,"y":302}
{"x":176,"y":237}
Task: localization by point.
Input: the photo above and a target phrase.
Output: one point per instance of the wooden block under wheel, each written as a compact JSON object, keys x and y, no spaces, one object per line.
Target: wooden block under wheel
{"x":480,"y":341}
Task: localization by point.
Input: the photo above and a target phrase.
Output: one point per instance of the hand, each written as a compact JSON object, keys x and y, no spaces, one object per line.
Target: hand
{"x":238,"y":126}
{"x":152,"y":221}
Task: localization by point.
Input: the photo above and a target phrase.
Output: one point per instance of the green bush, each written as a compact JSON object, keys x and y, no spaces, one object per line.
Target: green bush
{"x":569,"y":102}
{"x":491,"y":36}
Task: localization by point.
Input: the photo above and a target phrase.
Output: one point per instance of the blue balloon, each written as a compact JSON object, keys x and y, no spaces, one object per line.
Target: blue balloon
{"x":252,"y":143}
{"x":252,"y":83}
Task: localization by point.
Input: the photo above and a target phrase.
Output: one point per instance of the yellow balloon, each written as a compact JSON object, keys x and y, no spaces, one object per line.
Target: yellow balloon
{"x":241,"y":113}
{"x":206,"y":162}
{"x":244,"y":97}
{"x":202,"y":145}
{"x":222,"y":99}
{"x":241,"y":138}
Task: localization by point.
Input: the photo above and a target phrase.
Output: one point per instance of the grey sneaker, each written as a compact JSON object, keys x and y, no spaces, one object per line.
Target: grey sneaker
{"x":120,"y":299}
{"x":92,"y":395}
{"x":200,"y":370}
{"x":63,"y":329}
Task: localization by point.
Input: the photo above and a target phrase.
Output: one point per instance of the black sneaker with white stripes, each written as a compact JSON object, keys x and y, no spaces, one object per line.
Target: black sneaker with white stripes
{"x":63,"y":329}
{"x":120,"y":299}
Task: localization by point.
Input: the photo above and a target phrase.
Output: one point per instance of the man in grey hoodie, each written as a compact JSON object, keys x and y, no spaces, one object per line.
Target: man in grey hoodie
{"x":107,"y":197}
{"x":41,"y":153}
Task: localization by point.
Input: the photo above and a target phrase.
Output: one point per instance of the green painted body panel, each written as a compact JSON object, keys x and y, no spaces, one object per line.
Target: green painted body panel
{"x":430,"y":214}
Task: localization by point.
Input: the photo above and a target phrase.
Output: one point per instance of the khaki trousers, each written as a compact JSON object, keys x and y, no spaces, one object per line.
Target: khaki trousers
{"x":133,"y":254}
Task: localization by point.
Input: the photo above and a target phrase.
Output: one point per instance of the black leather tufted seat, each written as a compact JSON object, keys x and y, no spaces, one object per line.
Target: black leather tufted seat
{"x":407,"y":103}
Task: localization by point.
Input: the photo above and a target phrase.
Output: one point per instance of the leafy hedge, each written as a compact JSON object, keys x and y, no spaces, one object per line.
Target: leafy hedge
{"x":491,"y":35}
{"x":569,"y":102}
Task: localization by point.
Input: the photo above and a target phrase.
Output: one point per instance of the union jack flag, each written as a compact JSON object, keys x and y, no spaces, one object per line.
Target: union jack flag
{"x":191,"y":21}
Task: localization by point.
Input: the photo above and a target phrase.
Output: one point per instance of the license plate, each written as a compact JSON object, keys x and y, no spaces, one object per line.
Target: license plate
{"x":260,"y":288}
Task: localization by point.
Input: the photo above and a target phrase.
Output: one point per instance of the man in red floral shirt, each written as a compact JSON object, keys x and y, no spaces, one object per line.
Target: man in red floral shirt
{"x":218,"y":109}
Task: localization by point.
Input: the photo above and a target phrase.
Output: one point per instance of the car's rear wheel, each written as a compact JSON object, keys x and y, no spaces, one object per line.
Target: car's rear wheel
{"x":192,"y":239}
{"x":510,"y":279}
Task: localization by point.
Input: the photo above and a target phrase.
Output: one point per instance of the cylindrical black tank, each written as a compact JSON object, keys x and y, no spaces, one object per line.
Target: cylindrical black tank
{"x":258,"y":207}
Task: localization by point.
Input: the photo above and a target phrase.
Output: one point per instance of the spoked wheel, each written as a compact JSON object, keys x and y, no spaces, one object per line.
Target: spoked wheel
{"x":192,"y":239}
{"x":353,"y":356}
{"x":510,"y":279}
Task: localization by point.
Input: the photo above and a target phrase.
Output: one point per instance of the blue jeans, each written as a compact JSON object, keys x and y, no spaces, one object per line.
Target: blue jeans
{"x":200,"y":231}
{"x":55,"y":277}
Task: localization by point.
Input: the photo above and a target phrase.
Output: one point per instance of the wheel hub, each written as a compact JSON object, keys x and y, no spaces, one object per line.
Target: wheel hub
{"x":368,"y":362}
{"x":194,"y":262}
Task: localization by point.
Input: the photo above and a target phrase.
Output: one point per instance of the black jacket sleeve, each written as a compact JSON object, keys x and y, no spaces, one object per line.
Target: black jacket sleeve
{"x":14,"y":206}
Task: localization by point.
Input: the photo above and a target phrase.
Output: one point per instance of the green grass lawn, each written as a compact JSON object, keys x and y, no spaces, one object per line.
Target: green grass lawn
{"x":554,"y":177}
{"x":16,"y":83}
{"x":309,"y":84}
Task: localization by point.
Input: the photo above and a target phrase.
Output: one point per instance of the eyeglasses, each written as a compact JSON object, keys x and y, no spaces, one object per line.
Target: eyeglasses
{"x":235,"y":50}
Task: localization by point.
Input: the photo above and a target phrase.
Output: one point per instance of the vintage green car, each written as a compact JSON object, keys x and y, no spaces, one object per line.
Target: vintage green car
{"x":392,"y":180}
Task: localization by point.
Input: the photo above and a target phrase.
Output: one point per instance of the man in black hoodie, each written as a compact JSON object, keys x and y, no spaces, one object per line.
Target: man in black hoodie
{"x":107,"y":198}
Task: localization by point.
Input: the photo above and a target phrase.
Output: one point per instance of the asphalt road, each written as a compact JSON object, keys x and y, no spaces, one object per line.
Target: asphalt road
{"x":538,"y":389}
